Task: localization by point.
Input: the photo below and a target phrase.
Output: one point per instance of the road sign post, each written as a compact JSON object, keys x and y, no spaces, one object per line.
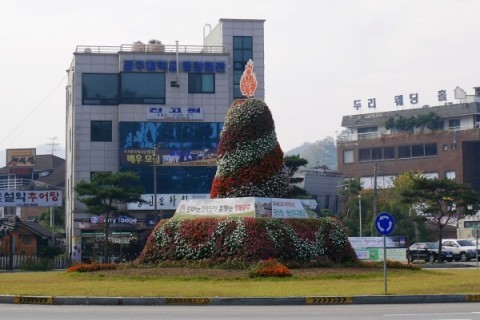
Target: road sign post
{"x":384,"y":225}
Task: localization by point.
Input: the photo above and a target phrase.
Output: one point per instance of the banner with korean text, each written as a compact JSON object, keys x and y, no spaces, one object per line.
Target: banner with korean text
{"x":223,"y":207}
{"x":242,"y":207}
{"x":30,"y":198}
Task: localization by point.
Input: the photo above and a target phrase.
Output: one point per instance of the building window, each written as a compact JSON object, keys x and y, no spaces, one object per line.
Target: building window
{"x":389,"y":153}
{"x":418,"y":151}
{"x":242,"y":52}
{"x":142,"y":88}
{"x":377,"y":154}
{"x":348,"y":156}
{"x":99,"y":89}
{"x":454,"y":124}
{"x":368,"y":154}
{"x":404,"y":152}
{"x":430,"y":149}
{"x":201,"y":83}
{"x":431,"y":175}
{"x":450,"y":175}
{"x":101,"y":131}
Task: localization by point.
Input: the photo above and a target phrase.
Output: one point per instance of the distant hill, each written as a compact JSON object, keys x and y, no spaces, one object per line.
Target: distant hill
{"x":318,"y":153}
{"x":42,"y":149}
{"x":298,"y":150}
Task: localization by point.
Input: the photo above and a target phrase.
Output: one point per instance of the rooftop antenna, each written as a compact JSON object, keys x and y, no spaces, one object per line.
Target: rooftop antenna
{"x":53,"y":144}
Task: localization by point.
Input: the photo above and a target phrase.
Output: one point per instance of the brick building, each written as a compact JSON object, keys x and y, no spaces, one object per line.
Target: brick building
{"x":451,"y":150}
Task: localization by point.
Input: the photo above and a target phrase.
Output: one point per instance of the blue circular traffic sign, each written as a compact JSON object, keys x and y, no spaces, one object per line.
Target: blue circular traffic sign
{"x":384,"y":223}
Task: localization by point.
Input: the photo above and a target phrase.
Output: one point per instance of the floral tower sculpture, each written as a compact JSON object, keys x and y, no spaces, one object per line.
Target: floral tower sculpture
{"x":249,"y":158}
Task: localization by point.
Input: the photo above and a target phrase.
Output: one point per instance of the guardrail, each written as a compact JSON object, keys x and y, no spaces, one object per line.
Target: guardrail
{"x":378,"y":134}
{"x":150,"y":48}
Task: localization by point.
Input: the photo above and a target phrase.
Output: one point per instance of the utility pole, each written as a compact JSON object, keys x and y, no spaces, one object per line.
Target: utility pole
{"x":54,"y":144}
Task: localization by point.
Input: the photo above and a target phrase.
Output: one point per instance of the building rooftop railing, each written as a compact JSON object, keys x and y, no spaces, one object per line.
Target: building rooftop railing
{"x":150,"y":48}
{"x":378,"y":134}
{"x":25,"y":184}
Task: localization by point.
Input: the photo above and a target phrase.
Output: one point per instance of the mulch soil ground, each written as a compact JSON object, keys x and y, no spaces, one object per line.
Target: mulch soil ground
{"x":227,"y":273}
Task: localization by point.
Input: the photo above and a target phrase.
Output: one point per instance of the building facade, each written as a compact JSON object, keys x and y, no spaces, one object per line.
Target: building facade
{"x":157,"y":110}
{"x":451,"y":149}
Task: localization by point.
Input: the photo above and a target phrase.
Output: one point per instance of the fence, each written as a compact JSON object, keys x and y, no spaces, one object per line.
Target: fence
{"x":59,"y":262}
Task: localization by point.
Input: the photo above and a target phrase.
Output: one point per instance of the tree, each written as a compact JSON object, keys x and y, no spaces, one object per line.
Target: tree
{"x":293,"y":163}
{"x":440,"y":200}
{"x":59,"y":217}
{"x":106,"y":191}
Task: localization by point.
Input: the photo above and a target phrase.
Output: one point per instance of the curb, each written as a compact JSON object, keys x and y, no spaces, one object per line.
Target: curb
{"x":320,"y":300}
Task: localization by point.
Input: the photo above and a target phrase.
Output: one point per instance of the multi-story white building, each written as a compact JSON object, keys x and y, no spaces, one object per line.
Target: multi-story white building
{"x":151,"y":108}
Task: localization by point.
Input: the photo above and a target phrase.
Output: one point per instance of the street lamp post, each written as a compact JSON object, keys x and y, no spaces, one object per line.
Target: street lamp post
{"x":360,"y":213}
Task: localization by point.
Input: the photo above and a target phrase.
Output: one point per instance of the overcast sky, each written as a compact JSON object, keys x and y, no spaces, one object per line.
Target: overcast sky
{"x":320,"y":55}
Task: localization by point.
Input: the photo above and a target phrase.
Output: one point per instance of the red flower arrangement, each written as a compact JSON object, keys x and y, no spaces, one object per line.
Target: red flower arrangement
{"x":90,"y":267}
{"x":270,"y":268}
{"x":246,"y":124}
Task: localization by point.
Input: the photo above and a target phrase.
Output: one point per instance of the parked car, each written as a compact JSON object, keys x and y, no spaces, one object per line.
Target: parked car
{"x":463,"y":249}
{"x":428,"y":251}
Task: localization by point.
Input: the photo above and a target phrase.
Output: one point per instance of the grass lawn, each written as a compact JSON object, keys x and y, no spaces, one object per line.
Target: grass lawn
{"x":183,"y":282}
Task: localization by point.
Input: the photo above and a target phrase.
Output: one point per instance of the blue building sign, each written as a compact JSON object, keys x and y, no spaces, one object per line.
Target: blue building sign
{"x":171,"y":66}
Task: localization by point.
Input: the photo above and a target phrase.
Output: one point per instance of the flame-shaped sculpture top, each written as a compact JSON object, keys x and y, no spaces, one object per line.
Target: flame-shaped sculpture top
{"x":248,"y":81}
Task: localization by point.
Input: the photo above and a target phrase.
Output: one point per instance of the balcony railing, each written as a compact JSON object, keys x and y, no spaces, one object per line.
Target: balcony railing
{"x":150,"y":48}
{"x":377,"y":134}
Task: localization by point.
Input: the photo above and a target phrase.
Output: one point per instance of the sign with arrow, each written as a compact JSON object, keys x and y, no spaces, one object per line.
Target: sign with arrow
{"x":384,"y":223}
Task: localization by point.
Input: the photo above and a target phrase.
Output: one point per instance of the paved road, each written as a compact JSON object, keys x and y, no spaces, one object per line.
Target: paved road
{"x":450,"y":311}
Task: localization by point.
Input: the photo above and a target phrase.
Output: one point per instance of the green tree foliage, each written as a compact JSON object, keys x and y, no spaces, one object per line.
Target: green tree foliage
{"x":106,"y":191}
{"x":58,"y":215}
{"x":293,"y":163}
{"x":441,"y":201}
{"x":388,"y":200}
{"x":422,"y":121}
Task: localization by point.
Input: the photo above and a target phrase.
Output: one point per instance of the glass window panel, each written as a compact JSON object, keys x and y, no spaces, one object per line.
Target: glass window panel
{"x":237,"y":55}
{"x":101,"y":131}
{"x":389,"y":153}
{"x":236,"y":91}
{"x":450,"y":175}
{"x":431,"y":149}
{"x":208,"y":83}
{"x":237,"y":42}
{"x":194,"y":83}
{"x":364,"y":154}
{"x":247,"y":42}
{"x":143,"y":88}
{"x":404,"y":152}
{"x":247,"y":54}
{"x":418,"y":150}
{"x":201,"y":83}
{"x":454,"y":123}
{"x":348,"y":156}
{"x":99,"y":89}
{"x":377,"y":154}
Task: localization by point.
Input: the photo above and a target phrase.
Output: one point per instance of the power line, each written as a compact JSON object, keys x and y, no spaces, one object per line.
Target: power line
{"x":33,"y":111}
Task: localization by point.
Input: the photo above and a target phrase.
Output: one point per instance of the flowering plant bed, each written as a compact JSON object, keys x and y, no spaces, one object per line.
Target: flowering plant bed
{"x":234,"y":239}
